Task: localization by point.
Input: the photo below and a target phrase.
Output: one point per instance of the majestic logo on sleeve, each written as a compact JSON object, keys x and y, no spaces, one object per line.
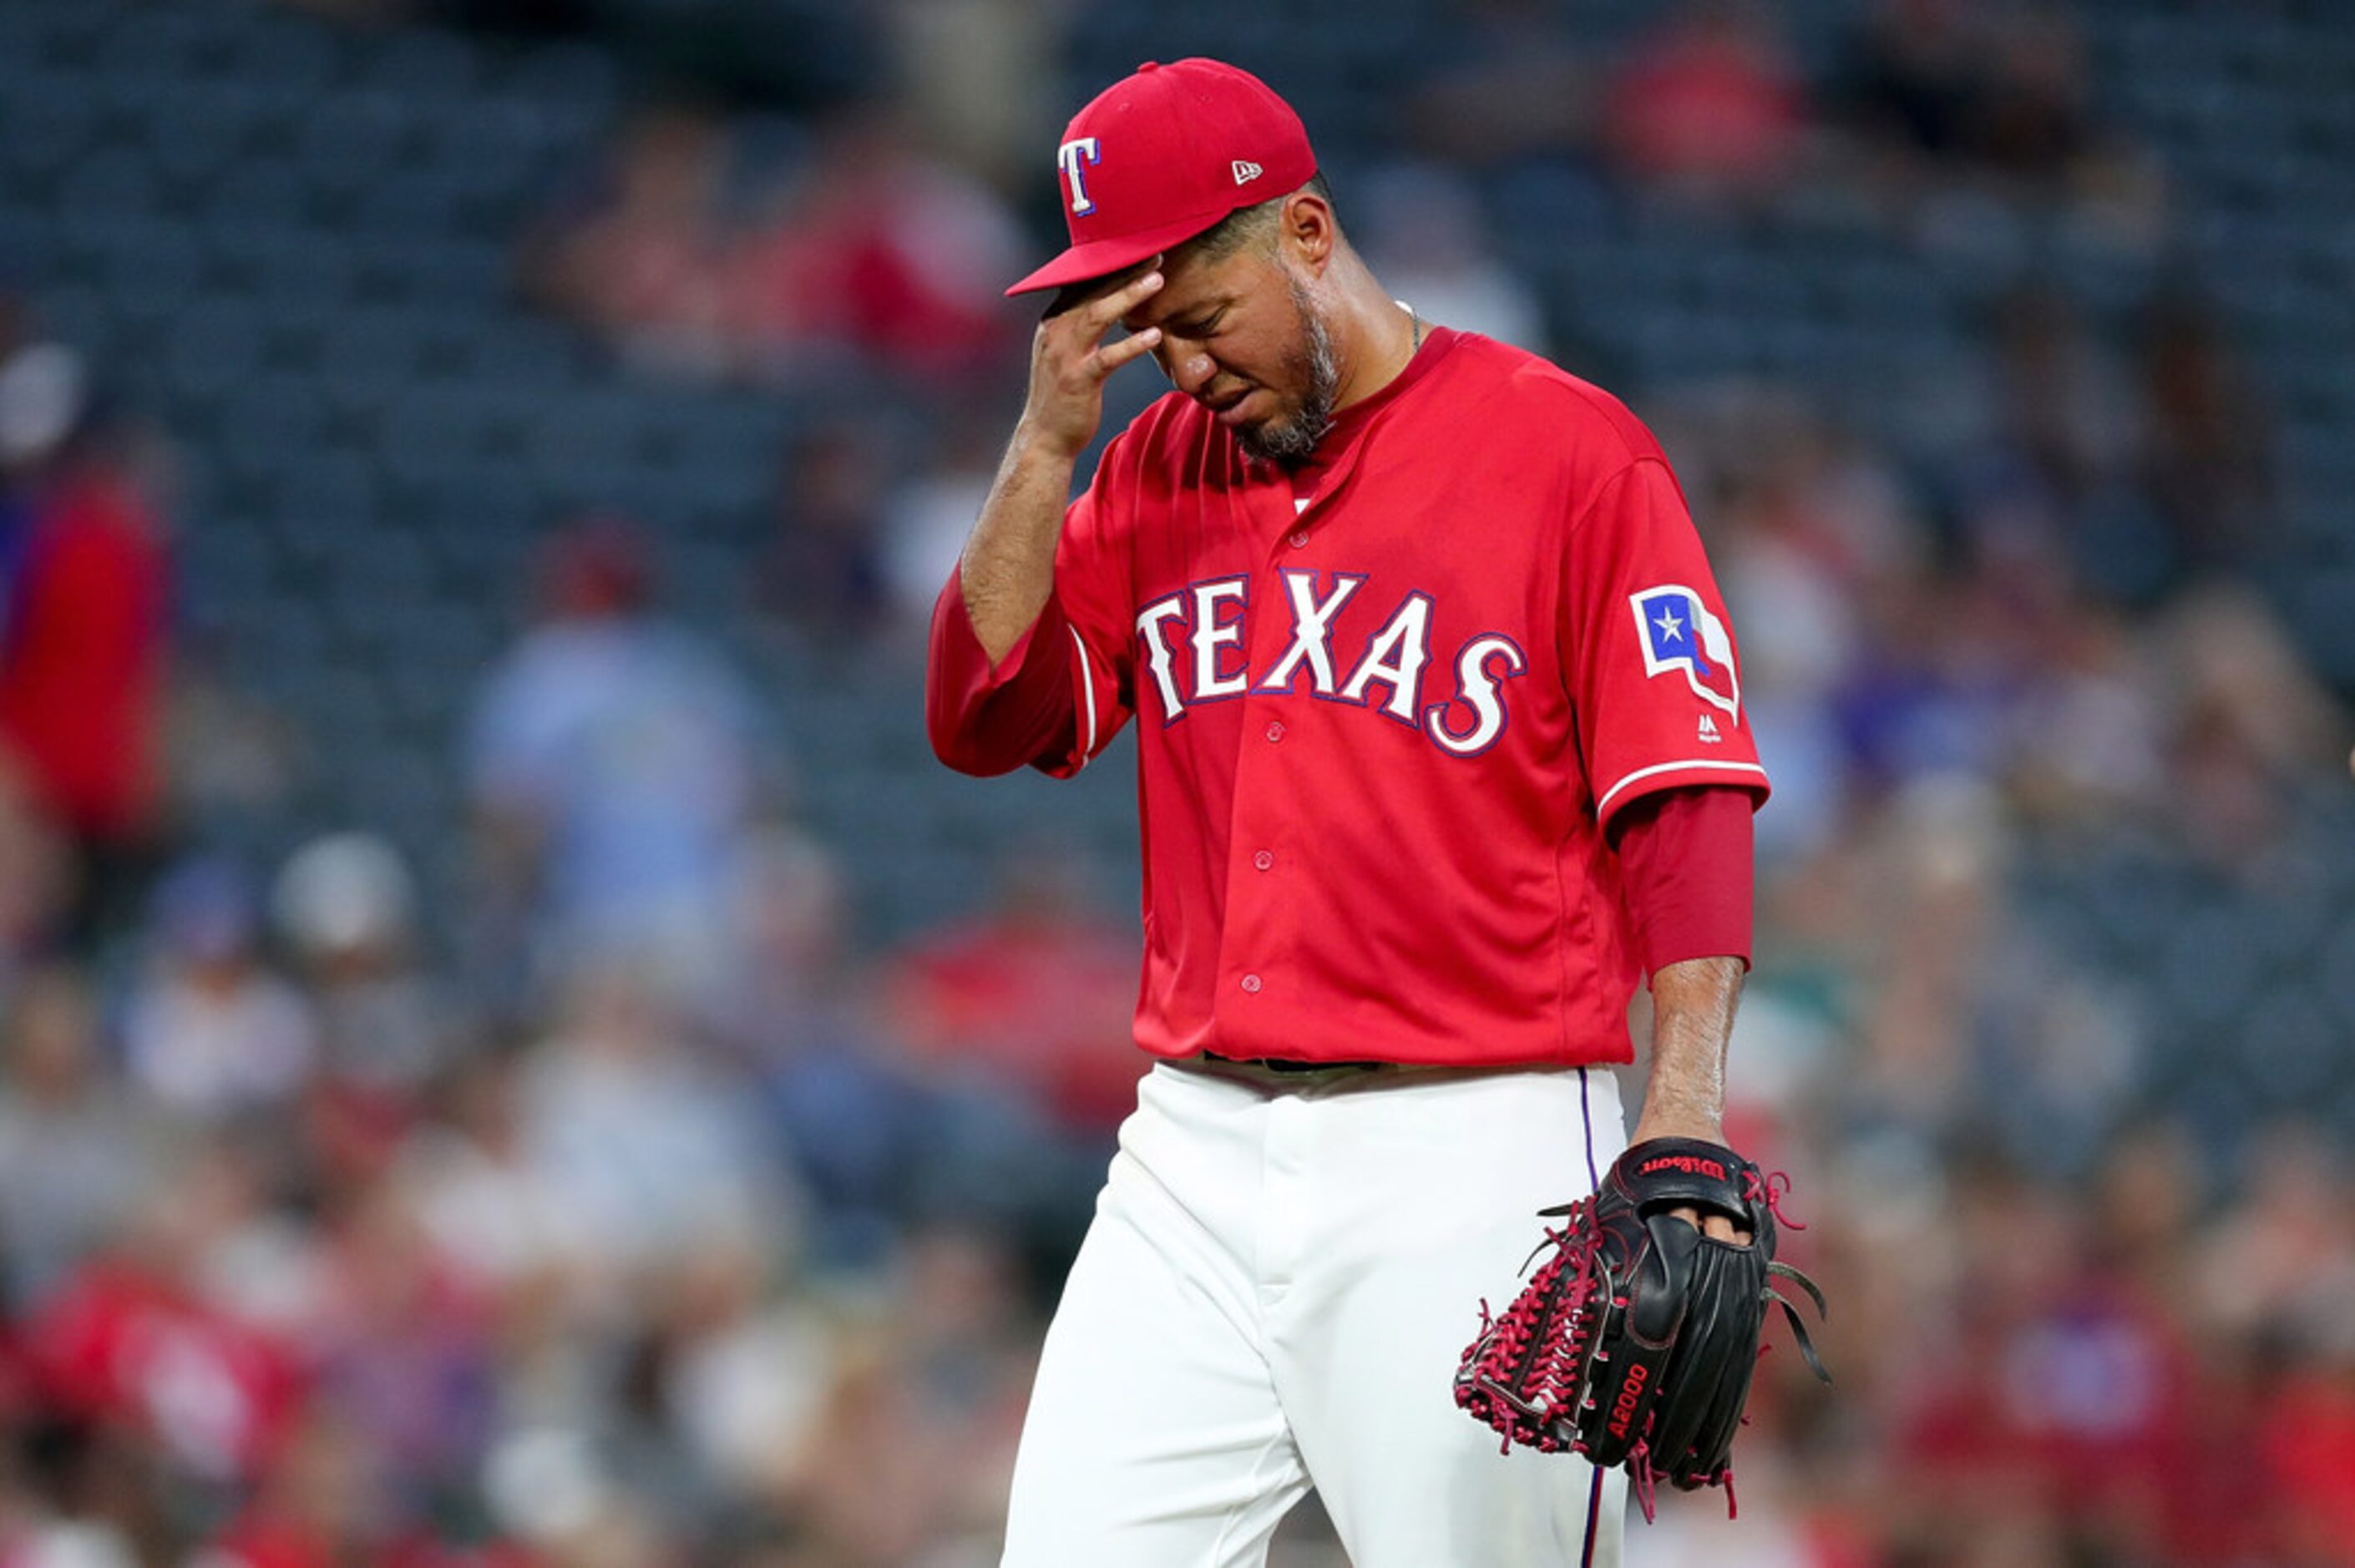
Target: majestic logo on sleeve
{"x":1678,"y":632}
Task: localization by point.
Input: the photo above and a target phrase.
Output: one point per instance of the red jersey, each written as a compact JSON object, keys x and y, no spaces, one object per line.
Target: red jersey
{"x":1383,"y":726}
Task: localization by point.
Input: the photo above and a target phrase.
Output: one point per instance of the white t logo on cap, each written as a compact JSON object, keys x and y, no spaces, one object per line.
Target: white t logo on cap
{"x":1069,"y":156}
{"x":1246,"y":172}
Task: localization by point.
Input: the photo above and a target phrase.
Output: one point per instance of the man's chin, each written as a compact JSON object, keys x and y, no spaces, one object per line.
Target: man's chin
{"x":1274,"y":439}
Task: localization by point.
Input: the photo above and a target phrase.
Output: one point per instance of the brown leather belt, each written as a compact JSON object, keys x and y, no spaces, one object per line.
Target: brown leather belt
{"x":1285,"y":1064}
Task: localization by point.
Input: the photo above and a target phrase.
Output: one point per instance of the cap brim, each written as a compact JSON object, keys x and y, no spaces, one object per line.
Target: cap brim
{"x":1102,"y":258}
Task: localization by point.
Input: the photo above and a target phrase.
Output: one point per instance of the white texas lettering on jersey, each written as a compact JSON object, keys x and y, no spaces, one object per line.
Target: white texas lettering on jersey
{"x":1395,"y":658}
{"x":1150,"y":622}
{"x":1210,"y":635}
{"x":1213,"y":619}
{"x":1477,"y":688}
{"x":1312,"y":631}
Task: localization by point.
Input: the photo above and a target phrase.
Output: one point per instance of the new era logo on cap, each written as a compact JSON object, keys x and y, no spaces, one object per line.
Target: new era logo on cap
{"x":1165,"y":154}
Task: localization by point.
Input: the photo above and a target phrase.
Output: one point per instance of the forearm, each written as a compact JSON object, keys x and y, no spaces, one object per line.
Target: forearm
{"x":983,"y":717}
{"x":1007,"y":569}
{"x":1693,"y":1003}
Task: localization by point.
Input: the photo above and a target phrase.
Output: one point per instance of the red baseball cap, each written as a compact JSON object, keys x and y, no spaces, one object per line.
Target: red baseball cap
{"x":1164,"y":155}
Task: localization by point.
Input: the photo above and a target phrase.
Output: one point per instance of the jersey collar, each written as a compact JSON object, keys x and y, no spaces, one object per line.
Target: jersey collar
{"x":1328,"y":468}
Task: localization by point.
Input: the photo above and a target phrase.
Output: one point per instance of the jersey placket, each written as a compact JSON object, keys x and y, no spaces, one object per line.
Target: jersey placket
{"x":1276,"y":759}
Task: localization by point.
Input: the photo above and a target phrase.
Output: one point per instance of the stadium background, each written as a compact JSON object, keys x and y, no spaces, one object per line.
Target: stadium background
{"x":514,"y":1053}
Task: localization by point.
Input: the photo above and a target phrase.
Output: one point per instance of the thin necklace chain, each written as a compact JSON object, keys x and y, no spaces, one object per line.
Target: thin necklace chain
{"x":1416,"y":322}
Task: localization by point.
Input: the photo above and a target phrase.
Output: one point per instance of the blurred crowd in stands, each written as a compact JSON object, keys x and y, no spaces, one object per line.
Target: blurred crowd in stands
{"x":641,"y":1221}
{"x":632,"y":1211}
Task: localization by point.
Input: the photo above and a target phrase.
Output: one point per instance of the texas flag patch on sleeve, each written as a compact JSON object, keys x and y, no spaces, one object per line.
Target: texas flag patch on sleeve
{"x":1678,"y":633}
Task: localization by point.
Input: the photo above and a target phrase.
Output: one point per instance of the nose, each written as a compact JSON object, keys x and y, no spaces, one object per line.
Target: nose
{"x":1190,"y":370}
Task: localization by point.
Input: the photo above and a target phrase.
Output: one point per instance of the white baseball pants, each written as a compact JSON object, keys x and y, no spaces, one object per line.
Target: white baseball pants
{"x":1280,"y":1277}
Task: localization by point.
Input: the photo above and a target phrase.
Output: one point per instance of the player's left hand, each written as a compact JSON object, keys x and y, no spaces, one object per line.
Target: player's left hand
{"x":1710,"y":1223}
{"x":1714,"y":1226}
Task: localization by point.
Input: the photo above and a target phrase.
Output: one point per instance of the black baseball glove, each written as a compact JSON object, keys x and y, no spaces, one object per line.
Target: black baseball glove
{"x":1634,"y":1340}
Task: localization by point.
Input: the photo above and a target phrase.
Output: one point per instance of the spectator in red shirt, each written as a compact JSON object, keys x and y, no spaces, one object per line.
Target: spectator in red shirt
{"x":1028,"y":990}
{"x":1710,"y":106}
{"x":83,"y":662}
{"x":880,"y":252}
{"x":133,"y":1341}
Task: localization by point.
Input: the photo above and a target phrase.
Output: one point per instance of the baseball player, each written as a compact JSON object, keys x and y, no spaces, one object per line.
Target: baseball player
{"x":1441,"y":746}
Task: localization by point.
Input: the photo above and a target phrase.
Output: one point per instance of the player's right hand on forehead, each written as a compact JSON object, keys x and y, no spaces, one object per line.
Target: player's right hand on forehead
{"x":1069,"y":358}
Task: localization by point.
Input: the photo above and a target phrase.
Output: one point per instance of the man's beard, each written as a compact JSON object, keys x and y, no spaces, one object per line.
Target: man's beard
{"x":1317,"y":370}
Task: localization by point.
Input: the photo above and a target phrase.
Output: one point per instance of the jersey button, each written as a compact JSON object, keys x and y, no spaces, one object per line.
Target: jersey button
{"x":1274,"y":731}
{"x":1251,"y":984}
{"x":1300,"y":538}
{"x":1263,"y":860}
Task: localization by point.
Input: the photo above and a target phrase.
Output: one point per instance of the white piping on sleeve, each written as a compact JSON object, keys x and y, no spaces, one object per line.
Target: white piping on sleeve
{"x":1087,"y":694}
{"x":1676,"y":767}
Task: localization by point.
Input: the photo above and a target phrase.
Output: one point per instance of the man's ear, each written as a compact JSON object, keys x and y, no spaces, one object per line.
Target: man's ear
{"x":1306,"y":231}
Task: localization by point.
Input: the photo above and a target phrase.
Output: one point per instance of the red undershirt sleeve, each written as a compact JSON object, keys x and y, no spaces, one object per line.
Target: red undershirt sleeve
{"x":1685,"y":856}
{"x":986,"y":718}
